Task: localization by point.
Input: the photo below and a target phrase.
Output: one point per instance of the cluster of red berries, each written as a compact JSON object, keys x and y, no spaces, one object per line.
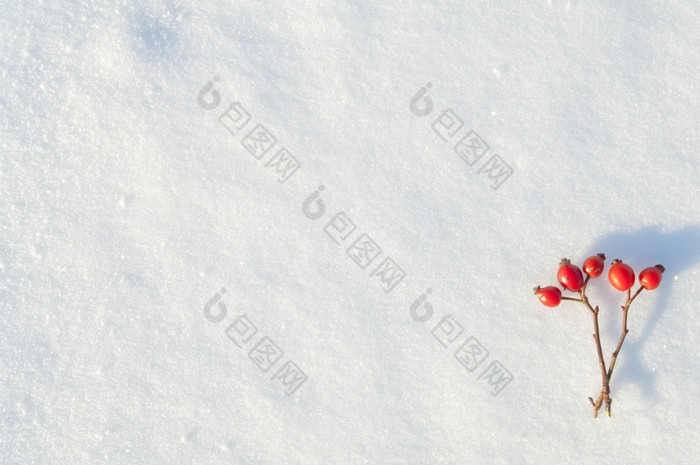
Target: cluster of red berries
{"x":621,"y":277}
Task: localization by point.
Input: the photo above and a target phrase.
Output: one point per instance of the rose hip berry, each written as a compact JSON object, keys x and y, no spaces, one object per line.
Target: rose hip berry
{"x":550,"y":296}
{"x":570,"y":276}
{"x":650,"y":278}
{"x":621,"y":276}
{"x":593,"y":266}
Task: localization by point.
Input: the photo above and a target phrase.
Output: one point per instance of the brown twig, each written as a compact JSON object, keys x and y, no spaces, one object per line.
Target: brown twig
{"x":605,"y":389}
{"x":613,"y":358}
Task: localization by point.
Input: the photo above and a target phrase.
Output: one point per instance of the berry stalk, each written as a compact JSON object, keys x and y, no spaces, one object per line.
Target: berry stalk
{"x":605,"y":388}
{"x":613,"y":358}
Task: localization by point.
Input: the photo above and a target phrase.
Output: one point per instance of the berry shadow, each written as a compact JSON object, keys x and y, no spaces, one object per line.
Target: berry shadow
{"x":678,"y":251}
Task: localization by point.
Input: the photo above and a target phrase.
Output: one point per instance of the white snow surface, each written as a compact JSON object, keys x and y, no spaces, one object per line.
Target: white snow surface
{"x":127,"y":203}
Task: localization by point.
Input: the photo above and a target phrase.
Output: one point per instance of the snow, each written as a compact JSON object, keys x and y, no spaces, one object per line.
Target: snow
{"x":126,"y":205}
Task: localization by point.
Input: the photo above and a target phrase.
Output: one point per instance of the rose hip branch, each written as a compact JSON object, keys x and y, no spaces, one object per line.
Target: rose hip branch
{"x":621,"y":277}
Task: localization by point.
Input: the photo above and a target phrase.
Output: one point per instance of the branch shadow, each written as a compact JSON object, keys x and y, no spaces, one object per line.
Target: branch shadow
{"x":678,"y":251}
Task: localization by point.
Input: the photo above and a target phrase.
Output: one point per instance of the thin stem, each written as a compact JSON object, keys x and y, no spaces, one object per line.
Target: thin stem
{"x":585,"y":283}
{"x":613,"y":358}
{"x":605,"y":389}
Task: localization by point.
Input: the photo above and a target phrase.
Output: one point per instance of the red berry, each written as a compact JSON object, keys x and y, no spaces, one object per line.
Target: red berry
{"x":650,"y":278}
{"x":593,"y":266}
{"x":570,"y":276}
{"x":621,"y":275}
{"x":550,"y":296}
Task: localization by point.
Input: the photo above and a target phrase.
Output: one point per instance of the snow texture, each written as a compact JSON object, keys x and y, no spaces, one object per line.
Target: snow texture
{"x":308,"y":232}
